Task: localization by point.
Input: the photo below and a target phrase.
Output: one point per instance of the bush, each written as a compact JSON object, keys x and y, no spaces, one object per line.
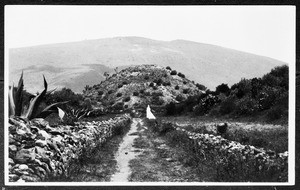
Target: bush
{"x":125,"y":83}
{"x":127,"y":99}
{"x":179,"y":98}
{"x":110,"y":91}
{"x":181,"y":75}
{"x":184,"y":82}
{"x":142,"y":91}
{"x":135,"y":93}
{"x":246,"y":106}
{"x":223,"y":88}
{"x":169,"y":68}
{"x":120,"y":85}
{"x":156,"y":100}
{"x":151,"y":84}
{"x":176,"y":87}
{"x":119,"y":94}
{"x":170,"y":108}
{"x":100,"y":93}
{"x":201,"y":87}
{"x":154,"y":87}
{"x":173,"y":72}
{"x":275,"y":113}
{"x":146,"y":77}
{"x":185,"y":91}
{"x":227,"y":106}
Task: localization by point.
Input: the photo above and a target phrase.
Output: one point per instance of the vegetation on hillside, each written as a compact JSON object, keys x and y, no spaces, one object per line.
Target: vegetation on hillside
{"x":249,"y":97}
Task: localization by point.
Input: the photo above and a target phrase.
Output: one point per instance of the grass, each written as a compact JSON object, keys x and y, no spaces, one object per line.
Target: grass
{"x":267,"y":136}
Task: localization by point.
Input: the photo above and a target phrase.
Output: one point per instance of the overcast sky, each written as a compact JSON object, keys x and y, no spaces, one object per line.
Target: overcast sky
{"x":262,"y":30}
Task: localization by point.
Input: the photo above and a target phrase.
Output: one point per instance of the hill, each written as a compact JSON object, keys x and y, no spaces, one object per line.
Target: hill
{"x":137,"y":86}
{"x":76,"y":64}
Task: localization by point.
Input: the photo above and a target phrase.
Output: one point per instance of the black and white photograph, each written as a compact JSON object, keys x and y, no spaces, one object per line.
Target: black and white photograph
{"x":108,"y":95}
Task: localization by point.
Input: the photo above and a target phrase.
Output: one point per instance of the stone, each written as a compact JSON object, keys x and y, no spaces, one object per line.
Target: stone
{"x":25,"y":155}
{"x":40,"y":152}
{"x":12,"y":148}
{"x":23,"y":167}
{"x":39,"y":122}
{"x":13,"y":177}
{"x":11,"y":161}
{"x":30,"y":178}
{"x":41,"y":143}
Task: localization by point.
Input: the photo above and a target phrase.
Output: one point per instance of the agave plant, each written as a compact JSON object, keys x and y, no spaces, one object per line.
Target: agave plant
{"x":16,"y":101}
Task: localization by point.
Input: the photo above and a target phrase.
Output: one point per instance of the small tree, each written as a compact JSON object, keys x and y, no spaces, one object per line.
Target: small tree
{"x":173,"y":72}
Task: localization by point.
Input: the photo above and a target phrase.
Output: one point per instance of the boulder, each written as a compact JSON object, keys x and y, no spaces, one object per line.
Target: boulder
{"x":25,"y":155}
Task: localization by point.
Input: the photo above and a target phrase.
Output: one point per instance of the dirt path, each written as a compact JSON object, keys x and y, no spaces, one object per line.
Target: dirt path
{"x":126,"y":152}
{"x":157,"y":161}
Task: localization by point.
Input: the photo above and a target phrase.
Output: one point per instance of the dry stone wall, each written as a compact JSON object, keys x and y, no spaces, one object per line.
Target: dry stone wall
{"x":38,"y":151}
{"x":231,"y":157}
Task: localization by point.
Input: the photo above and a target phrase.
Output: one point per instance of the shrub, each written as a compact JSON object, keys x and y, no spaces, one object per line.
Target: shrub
{"x":126,"y":106}
{"x":227,"y":106}
{"x":118,"y":106}
{"x":184,"y":82}
{"x":142,"y":91}
{"x":125,"y":83}
{"x":170,"y":108}
{"x":110,"y":91}
{"x":169,"y":68}
{"x":120,"y":85}
{"x":185,"y":91}
{"x":119,"y":94}
{"x":127,"y":99}
{"x":100,"y":93}
{"x":151,"y":84}
{"x":173,"y":72}
{"x":146,"y":77}
{"x":154,"y":87}
{"x":176,"y":87}
{"x":135,"y":93}
{"x":156,"y":100}
{"x":201,"y":87}
{"x":181,"y":75}
{"x":223,"y":88}
{"x":275,"y":113}
{"x":247,"y":105}
{"x":179,"y":98}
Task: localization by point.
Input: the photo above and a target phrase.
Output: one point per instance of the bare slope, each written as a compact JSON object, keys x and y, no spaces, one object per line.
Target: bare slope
{"x":71,"y":64}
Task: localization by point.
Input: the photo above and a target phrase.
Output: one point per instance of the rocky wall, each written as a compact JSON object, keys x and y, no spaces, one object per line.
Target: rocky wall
{"x":233,"y":159}
{"x":38,"y":151}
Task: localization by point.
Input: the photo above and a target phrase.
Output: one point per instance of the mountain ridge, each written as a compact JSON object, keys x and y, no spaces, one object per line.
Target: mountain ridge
{"x":206,"y":64}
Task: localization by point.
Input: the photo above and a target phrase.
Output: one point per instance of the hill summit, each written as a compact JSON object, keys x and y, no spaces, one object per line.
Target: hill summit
{"x":138,"y":86}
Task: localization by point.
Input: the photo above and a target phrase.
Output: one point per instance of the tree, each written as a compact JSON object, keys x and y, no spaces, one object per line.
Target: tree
{"x":223,"y":88}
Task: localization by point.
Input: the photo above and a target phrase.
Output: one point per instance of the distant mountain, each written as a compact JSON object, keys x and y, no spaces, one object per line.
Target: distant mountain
{"x":77,"y":64}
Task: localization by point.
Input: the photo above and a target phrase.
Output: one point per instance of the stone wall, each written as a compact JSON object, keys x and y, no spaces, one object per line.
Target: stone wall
{"x":38,"y":151}
{"x":232,"y":159}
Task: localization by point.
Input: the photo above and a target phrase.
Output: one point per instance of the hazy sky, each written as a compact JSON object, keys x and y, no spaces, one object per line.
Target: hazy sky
{"x":262,"y":30}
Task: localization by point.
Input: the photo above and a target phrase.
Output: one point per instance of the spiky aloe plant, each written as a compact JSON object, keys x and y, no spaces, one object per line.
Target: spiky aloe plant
{"x":16,"y":101}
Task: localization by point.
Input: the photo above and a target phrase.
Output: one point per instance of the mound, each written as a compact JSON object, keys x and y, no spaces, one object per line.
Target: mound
{"x":139,"y":86}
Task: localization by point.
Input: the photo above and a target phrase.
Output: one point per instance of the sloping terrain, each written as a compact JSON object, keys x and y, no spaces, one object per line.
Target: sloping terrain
{"x":77,"y":64}
{"x":139,"y":86}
